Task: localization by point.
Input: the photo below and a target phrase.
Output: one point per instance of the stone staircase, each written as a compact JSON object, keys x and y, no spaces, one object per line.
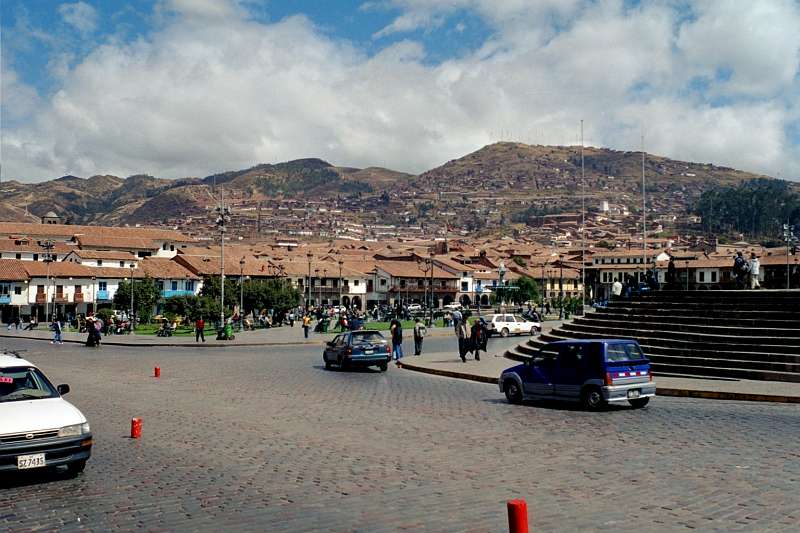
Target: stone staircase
{"x":730,"y":334}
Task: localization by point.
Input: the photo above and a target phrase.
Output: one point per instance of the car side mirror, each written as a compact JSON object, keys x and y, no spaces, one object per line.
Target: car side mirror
{"x":528,"y":362}
{"x":63,"y":389}
{"x":330,"y":344}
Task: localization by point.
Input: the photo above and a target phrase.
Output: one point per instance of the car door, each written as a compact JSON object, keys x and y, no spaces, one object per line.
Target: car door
{"x":569,"y":372}
{"x":332,"y":351}
{"x":539,"y":377}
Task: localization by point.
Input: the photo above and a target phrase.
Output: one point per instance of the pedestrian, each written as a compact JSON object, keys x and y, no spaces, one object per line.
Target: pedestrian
{"x":457,"y":318}
{"x":740,"y":268}
{"x":31,"y":324}
{"x":396,"y":329}
{"x":199,"y":327}
{"x":306,"y":324}
{"x":419,"y":335}
{"x":547,"y":307}
{"x":478,"y":338}
{"x":616,"y":289}
{"x":56,"y":328}
{"x":671,"y":274}
{"x":463,"y":340}
{"x":755,"y":268}
{"x":98,"y":328}
{"x":291,"y":319}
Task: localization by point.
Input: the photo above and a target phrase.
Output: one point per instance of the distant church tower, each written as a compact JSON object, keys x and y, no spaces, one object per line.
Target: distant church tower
{"x":51,"y":218}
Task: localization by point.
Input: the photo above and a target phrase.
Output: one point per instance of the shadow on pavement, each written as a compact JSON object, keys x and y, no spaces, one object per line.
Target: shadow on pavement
{"x":24,"y":479}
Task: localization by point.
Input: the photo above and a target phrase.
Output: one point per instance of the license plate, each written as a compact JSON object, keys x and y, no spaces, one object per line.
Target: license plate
{"x":634,"y":393}
{"x":369,"y":352}
{"x":30,"y":461}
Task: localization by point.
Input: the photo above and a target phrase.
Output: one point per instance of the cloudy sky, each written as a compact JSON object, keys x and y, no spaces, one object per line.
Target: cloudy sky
{"x":178,"y":88}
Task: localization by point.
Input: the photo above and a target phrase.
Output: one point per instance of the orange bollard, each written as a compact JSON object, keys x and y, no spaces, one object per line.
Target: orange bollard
{"x":517,"y":516}
{"x":136,"y":428}
{"x":157,"y":372}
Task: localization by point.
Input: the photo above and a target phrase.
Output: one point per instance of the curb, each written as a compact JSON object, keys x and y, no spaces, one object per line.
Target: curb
{"x":172,"y":345}
{"x":660,"y":391}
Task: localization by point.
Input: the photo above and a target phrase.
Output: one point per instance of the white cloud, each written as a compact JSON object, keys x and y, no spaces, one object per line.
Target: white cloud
{"x":212,"y":90}
{"x":80,"y":15}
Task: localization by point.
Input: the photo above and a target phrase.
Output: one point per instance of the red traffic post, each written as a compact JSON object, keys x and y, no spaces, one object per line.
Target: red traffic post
{"x":136,"y":428}
{"x":157,"y":372}
{"x":517,"y":516}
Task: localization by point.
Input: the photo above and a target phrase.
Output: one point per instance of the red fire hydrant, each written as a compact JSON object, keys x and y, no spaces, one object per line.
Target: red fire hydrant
{"x":517,"y":516}
{"x":157,"y":372}
{"x":136,"y":428}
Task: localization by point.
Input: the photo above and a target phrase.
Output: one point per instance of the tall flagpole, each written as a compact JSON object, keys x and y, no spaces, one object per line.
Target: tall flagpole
{"x":583,"y":228}
{"x":644,"y":214}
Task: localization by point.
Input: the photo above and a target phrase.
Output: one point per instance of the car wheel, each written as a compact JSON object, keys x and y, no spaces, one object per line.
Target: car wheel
{"x":73,"y":469}
{"x":513,"y":392}
{"x":638,"y":403}
{"x":533,"y":331}
{"x":592,"y":399}
{"x":328,"y":365}
{"x":504,"y":332}
{"x":384,"y":367}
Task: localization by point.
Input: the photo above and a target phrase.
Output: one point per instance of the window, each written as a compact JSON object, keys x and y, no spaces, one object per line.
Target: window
{"x":160,"y":285}
{"x":19,"y":256}
{"x":701,"y":276}
{"x":402,"y":284}
{"x":443,"y":284}
{"x":464,"y":286}
{"x":383,"y":282}
{"x":171,"y":247}
{"x":4,"y":288}
{"x":624,"y":352}
{"x":713,"y":276}
{"x":78,"y":289}
{"x":122,"y":264}
{"x":164,"y":246}
{"x":59,"y":290}
{"x":102,"y":285}
{"x":35,"y":257}
{"x":40,"y":289}
{"x":174,"y":285}
{"x":324,"y":282}
{"x":355,"y":283}
{"x":99,"y":262}
{"x":189,"y":285}
{"x":572,"y":355}
{"x":17,"y":289}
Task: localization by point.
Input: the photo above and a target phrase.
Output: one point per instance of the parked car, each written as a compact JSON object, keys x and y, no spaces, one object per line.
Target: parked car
{"x":38,"y":428}
{"x":593,"y":372}
{"x":414,"y":307}
{"x":358,"y":349}
{"x":452,"y":306}
{"x":507,"y":324}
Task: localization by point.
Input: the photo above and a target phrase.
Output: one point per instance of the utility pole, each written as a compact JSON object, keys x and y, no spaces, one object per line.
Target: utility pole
{"x":583,"y":228}
{"x":308,"y":285}
{"x":133,"y":321}
{"x":340,"y":285}
{"x":241,"y":294}
{"x":223,"y":217}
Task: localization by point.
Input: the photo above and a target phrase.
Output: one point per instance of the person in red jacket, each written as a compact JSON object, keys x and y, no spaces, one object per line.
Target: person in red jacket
{"x":199,"y":326}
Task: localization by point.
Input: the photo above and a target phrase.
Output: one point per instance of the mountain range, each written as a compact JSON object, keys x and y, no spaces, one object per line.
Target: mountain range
{"x":500,"y":169}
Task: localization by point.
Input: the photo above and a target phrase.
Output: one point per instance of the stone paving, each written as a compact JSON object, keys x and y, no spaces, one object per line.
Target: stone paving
{"x":265,"y":439}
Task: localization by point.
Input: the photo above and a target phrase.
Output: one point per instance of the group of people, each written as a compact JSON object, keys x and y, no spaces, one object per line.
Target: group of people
{"x":472,"y":339}
{"x":746,"y":272}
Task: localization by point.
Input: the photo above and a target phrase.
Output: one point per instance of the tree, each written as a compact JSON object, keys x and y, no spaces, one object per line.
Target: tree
{"x":192,"y":307}
{"x":276,"y":294}
{"x":145,"y":296}
{"x":527,"y":290}
{"x":211,"y":288}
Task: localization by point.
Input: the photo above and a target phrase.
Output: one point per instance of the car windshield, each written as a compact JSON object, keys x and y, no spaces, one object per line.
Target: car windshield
{"x":367,"y":337}
{"x":624,"y":352}
{"x":23,"y":383}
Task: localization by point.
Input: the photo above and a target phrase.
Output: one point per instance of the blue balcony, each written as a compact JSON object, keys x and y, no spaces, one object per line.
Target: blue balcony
{"x":170,"y":293}
{"x":5,"y":299}
{"x":102,"y":295}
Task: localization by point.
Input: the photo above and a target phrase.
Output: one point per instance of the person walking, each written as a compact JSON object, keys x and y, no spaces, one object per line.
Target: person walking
{"x":547,"y":308}
{"x":419,"y":335}
{"x":31,"y":325}
{"x":463,"y":340}
{"x":57,"y":329}
{"x":740,"y":268}
{"x":755,"y":267}
{"x":199,"y":327}
{"x":478,"y":338}
{"x":396,"y":329}
{"x":306,"y":324}
{"x":672,"y":275}
{"x":616,"y":289}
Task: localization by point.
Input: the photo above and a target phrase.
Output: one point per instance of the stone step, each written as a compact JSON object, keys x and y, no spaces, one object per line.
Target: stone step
{"x":737,"y":373}
{"x":707,"y":344}
{"x":772,"y":305}
{"x":784,"y":320}
{"x":724,"y":363}
{"x":723,"y":339}
{"x":764,"y":330}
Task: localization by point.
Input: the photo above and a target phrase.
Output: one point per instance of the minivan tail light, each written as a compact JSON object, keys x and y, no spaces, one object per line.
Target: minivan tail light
{"x":649,"y":374}
{"x":348,"y":351}
{"x":388,"y":349}
{"x":608,"y":381}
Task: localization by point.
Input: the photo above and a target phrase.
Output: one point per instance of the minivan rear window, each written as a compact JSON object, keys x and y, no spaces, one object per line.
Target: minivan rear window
{"x":624,"y":352}
{"x":367,"y":338}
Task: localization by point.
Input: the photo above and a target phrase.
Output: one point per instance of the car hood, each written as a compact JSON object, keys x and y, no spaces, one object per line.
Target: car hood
{"x":37,"y":415}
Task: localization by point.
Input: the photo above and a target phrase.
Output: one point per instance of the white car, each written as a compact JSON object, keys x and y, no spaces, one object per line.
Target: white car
{"x":38,"y":428}
{"x":453,"y":306}
{"x":507,"y":324}
{"x":414,"y":307}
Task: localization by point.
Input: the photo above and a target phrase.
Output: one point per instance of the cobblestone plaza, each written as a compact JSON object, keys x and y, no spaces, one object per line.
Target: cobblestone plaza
{"x":265,"y":439}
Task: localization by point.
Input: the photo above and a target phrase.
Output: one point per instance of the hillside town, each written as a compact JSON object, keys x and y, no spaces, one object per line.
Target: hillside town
{"x":68,"y":270}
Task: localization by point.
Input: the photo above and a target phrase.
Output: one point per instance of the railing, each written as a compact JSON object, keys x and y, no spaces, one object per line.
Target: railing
{"x":41,"y":298}
{"x":78,"y":298}
{"x":5,"y":299}
{"x":166,"y":293}
{"x":102,"y":295}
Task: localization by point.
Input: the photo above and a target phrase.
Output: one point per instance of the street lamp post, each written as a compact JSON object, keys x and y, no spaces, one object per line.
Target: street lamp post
{"x":789,"y":237}
{"x":431,"y":287}
{"x":340,"y":262}
{"x":425,"y":266}
{"x":132,"y":319}
{"x":687,"y":274}
{"x":501,"y":270}
{"x":48,"y":245}
{"x":223,"y":217}
{"x":308,"y":284}
{"x":241,"y":294}
{"x":544,"y":288}
{"x":319,"y":286}
{"x":561,"y":287}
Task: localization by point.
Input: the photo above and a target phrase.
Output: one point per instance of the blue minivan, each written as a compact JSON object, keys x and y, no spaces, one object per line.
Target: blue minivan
{"x":595,"y":372}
